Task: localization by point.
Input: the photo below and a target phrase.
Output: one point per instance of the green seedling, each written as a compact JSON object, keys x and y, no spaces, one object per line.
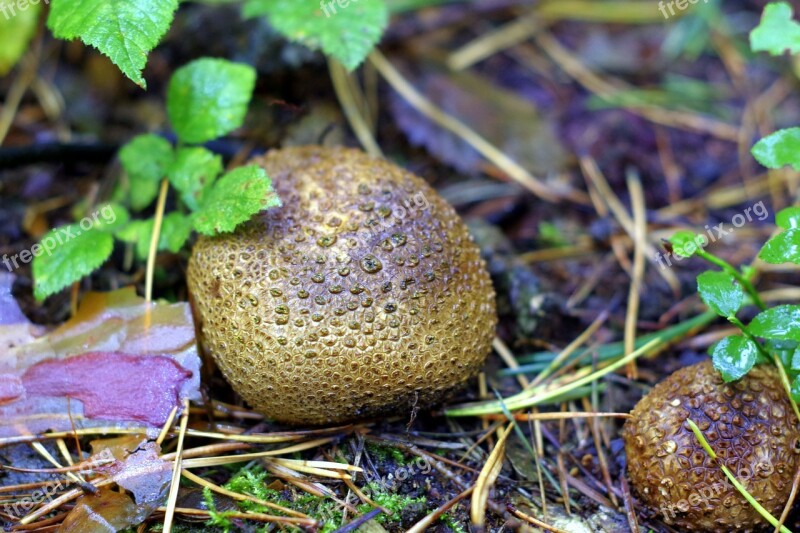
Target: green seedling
{"x":773,"y":335}
{"x":776,"y":34}
{"x":206,"y":99}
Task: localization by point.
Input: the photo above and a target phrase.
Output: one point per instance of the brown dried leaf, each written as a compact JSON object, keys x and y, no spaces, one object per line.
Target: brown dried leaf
{"x":104,"y":512}
{"x":138,"y":469}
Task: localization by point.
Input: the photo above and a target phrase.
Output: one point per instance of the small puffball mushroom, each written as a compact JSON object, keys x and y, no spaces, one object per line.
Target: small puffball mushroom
{"x":362,"y":295}
{"x":748,"y":423}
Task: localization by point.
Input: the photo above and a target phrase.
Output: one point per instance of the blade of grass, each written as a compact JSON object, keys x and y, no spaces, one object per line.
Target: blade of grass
{"x":742,"y":490}
{"x":487,"y":478}
{"x":532,"y":397}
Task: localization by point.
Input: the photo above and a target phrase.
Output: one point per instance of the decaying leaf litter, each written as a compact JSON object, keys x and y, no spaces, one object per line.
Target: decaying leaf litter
{"x":574,"y":139}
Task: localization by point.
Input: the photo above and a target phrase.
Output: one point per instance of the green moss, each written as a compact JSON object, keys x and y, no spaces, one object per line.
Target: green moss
{"x":450,"y":521}
{"x":252,"y":481}
{"x":322,"y":509}
{"x":385,"y":453}
{"x":395,"y":503}
{"x":216,"y":519}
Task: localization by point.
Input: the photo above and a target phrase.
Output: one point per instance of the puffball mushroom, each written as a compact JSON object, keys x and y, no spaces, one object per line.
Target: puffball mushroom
{"x":749,"y":424}
{"x":363,"y":294}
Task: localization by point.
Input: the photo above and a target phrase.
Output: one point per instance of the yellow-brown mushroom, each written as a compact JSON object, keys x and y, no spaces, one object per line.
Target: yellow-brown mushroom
{"x":749,"y":424}
{"x":362,"y":295}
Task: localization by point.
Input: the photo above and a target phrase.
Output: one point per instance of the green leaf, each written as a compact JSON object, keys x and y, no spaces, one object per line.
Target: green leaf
{"x":192,"y":172}
{"x":794,"y":364}
{"x":784,"y":349}
{"x":138,"y":232}
{"x":781,"y":345}
{"x":66,"y":255}
{"x":344,"y":29}
{"x":146,"y":159}
{"x":17,"y":27}
{"x":720,"y":292}
{"x":779,"y":149}
{"x":782,"y":248}
{"x":776,"y":32}
{"x":175,"y":230}
{"x":734,"y":356}
{"x":110,"y":217}
{"x":234,"y":198}
{"x":781,"y":323}
{"x":208,"y":98}
{"x":795,"y":389}
{"x":684,"y":243}
{"x":788,"y":218}
{"x":123,"y":31}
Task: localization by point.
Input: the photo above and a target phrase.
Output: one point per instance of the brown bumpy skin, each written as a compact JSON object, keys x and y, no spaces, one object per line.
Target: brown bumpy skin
{"x":362,"y":295}
{"x":749,"y":424}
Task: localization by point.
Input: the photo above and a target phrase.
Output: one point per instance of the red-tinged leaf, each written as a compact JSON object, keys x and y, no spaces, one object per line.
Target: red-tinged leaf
{"x":11,"y":388}
{"x":112,"y":385}
{"x":117,"y":361}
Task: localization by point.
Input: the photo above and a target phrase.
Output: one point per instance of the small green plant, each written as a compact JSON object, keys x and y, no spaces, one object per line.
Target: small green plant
{"x":777,"y":33}
{"x":206,"y":99}
{"x":773,"y":335}
{"x":344,"y":29}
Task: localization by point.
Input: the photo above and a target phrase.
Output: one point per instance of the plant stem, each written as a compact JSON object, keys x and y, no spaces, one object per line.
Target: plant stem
{"x":744,"y":280}
{"x":752,"y":501}
{"x":154,"y":238}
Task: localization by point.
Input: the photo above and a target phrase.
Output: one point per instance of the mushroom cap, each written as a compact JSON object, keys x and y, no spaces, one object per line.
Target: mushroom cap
{"x":363,"y":294}
{"x":749,"y":424}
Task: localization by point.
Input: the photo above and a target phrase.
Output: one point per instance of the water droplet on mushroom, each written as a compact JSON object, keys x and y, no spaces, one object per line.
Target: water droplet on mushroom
{"x":326,"y":240}
{"x":371,"y":264}
{"x":399,"y":239}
